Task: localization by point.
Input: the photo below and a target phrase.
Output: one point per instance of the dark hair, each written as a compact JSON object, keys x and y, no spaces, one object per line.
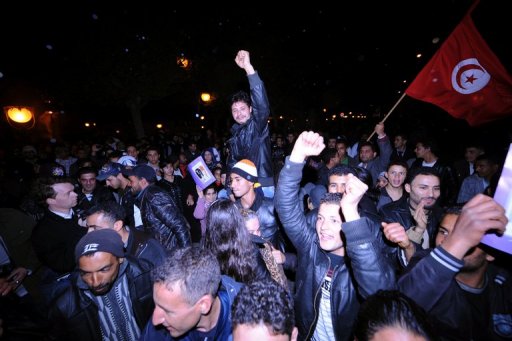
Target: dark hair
{"x":331,"y":198}
{"x":365,"y":176}
{"x":361,"y":173}
{"x":210,"y":186}
{"x":44,"y":187}
{"x":86,"y":170}
{"x":340,"y":170}
{"x":328,"y":154}
{"x":153,"y":147}
{"x":264,"y":302}
{"x":241,"y":96}
{"x":115,"y":154}
{"x":491,"y":159}
{"x":366,"y":144}
{"x":402,"y":134}
{"x":342,"y":140}
{"x":392,"y":309}
{"x":110,"y":210}
{"x":228,"y":239}
{"x":195,"y":270}
{"x":398,"y":163}
{"x":430,"y":143}
{"x":166,"y":162}
{"x":414,"y":172}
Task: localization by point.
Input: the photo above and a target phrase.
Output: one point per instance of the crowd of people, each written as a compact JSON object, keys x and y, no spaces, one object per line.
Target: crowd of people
{"x":300,"y":236}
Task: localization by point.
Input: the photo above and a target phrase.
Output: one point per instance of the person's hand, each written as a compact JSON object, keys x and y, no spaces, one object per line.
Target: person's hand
{"x":279,"y":257}
{"x":308,"y":143}
{"x":354,"y":191}
{"x":420,"y":216}
{"x":190,"y":200}
{"x":243,"y":60}
{"x":395,"y":233}
{"x":379,"y":130}
{"x":12,"y":281}
{"x":480,"y":215}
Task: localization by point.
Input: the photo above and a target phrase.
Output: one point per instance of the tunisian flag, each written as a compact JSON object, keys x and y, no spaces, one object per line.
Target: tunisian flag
{"x":465,"y":78}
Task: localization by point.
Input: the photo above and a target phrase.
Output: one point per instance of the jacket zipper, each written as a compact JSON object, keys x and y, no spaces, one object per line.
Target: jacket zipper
{"x":314,"y":301}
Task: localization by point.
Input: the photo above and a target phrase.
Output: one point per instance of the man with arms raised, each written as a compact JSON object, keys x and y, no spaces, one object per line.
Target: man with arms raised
{"x":250,"y":134}
{"x":327,"y":300}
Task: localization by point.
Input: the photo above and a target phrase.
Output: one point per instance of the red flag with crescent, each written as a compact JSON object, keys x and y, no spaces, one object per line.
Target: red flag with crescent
{"x":465,"y":78}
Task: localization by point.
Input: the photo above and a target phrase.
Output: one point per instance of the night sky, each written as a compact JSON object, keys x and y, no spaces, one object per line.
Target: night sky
{"x":91,"y":58}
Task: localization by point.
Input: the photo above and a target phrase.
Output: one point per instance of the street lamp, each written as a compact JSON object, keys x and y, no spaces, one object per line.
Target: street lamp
{"x":183,"y":62}
{"x":206,"y":97}
{"x":20,"y":117}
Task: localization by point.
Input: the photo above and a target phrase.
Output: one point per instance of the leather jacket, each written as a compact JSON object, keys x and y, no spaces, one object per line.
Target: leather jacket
{"x":251,"y":139}
{"x":162,"y":218}
{"x":264,"y":208}
{"x":99,"y":195}
{"x":430,"y":281}
{"x":74,"y":315}
{"x":141,"y":246}
{"x":399,"y":212}
{"x":365,"y":273}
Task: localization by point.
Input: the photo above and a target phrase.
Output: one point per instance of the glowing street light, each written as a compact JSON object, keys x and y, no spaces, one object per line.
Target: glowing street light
{"x":206,"y":97}
{"x":183,"y":62}
{"x":20,"y":117}
{"x":19,"y":114}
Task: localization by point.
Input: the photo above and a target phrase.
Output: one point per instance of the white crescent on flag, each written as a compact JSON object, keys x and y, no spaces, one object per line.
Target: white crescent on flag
{"x":468,"y":76}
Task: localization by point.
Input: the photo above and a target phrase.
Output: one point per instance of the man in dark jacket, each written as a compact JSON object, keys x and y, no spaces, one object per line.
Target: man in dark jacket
{"x":90,"y":191}
{"x":54,"y":238}
{"x":243,"y":177}
{"x":417,"y":215}
{"x":112,"y":297}
{"x":328,"y":285}
{"x":112,"y":174}
{"x":161,"y":217}
{"x":138,"y":244}
{"x":250,"y":134}
{"x":467,"y":297}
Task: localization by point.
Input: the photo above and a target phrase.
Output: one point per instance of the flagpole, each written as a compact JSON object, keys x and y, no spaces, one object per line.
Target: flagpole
{"x":389,"y":113}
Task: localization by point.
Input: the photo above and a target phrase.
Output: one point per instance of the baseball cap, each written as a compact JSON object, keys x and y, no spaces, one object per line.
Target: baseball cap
{"x":111,"y":168}
{"x":141,"y":171}
{"x":105,"y":240}
{"x":127,"y":160}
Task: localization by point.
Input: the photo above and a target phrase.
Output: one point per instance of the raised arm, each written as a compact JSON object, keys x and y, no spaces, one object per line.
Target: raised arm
{"x":260,"y":104}
{"x":286,"y":199}
{"x":243,"y":60}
